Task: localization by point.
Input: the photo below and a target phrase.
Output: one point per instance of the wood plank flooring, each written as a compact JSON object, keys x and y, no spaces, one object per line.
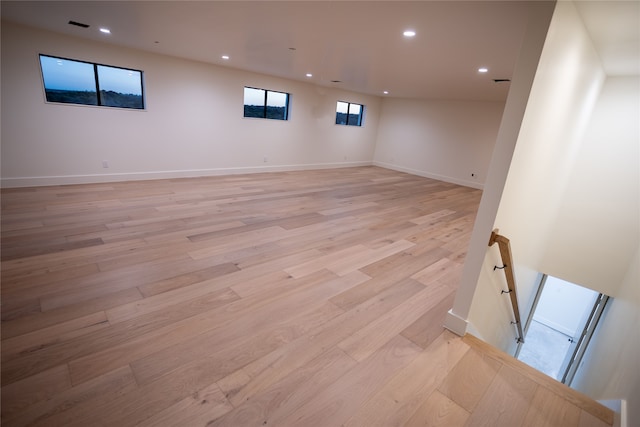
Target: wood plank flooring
{"x":310,"y":298}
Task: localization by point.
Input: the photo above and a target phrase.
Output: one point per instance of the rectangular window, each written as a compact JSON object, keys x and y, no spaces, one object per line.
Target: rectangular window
{"x":254,"y":101}
{"x":70,"y":82}
{"x":77,"y":82}
{"x":349,"y":114}
{"x":266,"y":104}
{"x":277,"y":103}
{"x":120,"y":87}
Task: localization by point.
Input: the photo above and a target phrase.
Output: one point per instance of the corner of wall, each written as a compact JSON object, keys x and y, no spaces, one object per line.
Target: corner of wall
{"x":424,"y":174}
{"x":455,"y":323}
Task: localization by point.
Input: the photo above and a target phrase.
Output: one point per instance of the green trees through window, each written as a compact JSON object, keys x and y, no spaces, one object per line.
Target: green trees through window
{"x":69,"y":81}
{"x":349,"y":114}
{"x":76,"y":82}
{"x":266,"y":104}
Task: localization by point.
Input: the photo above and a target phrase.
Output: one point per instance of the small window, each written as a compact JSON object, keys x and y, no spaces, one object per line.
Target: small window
{"x":77,"y":82}
{"x":349,"y":114}
{"x":266,"y":104}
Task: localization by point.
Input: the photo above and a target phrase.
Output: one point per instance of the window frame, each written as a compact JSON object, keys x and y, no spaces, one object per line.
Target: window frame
{"x":347,"y":123}
{"x":96,"y":79}
{"x":265,"y":105}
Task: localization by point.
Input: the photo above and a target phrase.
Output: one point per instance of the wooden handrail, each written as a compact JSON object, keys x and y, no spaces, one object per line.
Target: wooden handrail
{"x":507,"y":261}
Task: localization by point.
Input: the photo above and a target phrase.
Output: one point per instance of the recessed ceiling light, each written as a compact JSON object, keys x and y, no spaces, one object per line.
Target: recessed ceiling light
{"x":386,"y":92}
{"x":309,"y":75}
{"x":105,"y":30}
{"x":409,"y":33}
{"x":483,"y":70}
{"x":225,"y":57}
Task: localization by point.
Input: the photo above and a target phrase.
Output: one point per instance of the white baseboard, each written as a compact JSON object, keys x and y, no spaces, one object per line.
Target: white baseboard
{"x":41,"y":181}
{"x":452,"y":180}
{"x":553,"y":325}
{"x":455,"y":323}
{"x":624,"y":414}
{"x":619,"y":407}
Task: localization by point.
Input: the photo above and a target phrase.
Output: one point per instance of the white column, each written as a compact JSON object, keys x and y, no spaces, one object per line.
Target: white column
{"x":533,"y":41}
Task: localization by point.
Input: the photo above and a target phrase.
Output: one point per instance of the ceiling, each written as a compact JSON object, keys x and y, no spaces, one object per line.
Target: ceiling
{"x":614,"y":27}
{"x":358,"y":43}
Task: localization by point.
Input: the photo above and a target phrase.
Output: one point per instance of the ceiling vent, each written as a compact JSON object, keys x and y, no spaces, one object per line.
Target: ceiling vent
{"x":501,"y":80}
{"x":336,"y":81}
{"x":78,"y":24}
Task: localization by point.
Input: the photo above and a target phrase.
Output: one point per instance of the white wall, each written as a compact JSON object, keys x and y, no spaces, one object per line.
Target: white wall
{"x":609,"y":169}
{"x":193,"y":124}
{"x":524,"y":73}
{"x":563,"y":306}
{"x":571,"y":207}
{"x":445,"y":140}
{"x":597,"y":225}
{"x":564,"y":92}
{"x":611,"y":366}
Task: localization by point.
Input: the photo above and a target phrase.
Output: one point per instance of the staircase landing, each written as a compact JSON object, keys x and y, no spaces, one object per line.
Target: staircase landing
{"x":499,"y":390}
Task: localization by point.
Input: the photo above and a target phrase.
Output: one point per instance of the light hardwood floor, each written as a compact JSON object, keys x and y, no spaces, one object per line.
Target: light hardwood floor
{"x":310,"y":298}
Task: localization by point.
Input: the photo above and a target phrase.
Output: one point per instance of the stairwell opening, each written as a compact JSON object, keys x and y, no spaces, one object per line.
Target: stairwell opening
{"x":559,"y":328}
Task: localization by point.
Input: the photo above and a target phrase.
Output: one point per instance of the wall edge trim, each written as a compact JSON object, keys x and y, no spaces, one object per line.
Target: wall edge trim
{"x":435,"y":176}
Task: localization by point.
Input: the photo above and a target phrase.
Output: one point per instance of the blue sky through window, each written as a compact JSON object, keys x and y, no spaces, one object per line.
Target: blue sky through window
{"x":119,"y":80}
{"x":342,"y":107}
{"x":253,"y":96}
{"x":63,"y":74}
{"x":74,"y":82}
{"x":265,"y":104}
{"x":349,"y":114}
{"x":276,"y":99}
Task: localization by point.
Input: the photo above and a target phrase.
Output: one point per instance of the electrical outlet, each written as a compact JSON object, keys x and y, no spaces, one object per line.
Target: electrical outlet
{"x":105,"y":164}
{"x":265,"y":159}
